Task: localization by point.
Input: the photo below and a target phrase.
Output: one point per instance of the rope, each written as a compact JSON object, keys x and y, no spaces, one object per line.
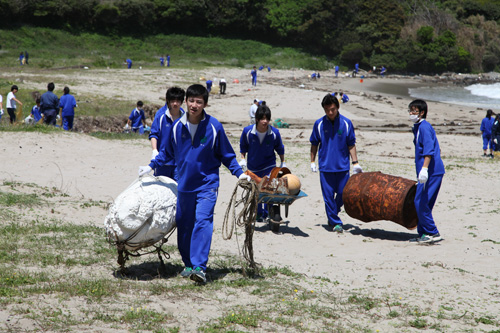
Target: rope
{"x":244,"y":219}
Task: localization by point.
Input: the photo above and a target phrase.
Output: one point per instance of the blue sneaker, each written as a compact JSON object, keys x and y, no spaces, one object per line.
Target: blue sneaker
{"x":187,"y":272}
{"x":338,"y":228}
{"x":198,"y":275}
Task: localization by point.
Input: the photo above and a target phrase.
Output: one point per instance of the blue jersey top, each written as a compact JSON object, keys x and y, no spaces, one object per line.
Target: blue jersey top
{"x":160,"y":131}
{"x":345,"y":98}
{"x":35,"y":111}
{"x":198,"y":160}
{"x":486,"y":125}
{"x":334,"y":141}
{"x":261,"y":156}
{"x":336,"y":68}
{"x":68,"y":105}
{"x":254,"y":73}
{"x":209,"y":84}
{"x":136,"y":116}
{"x":426,"y":144}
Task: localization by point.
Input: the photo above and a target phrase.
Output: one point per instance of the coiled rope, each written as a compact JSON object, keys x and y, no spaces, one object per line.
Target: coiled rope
{"x":245,"y":218}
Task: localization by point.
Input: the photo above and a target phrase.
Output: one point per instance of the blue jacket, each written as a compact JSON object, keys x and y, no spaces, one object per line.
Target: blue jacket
{"x":160,"y":131}
{"x":261,"y":156}
{"x":426,"y":144}
{"x":198,"y":160}
{"x":49,"y":103}
{"x":35,"y":111}
{"x":136,"y":116}
{"x":334,"y":141}
{"x":68,"y":105}
{"x":486,"y":125}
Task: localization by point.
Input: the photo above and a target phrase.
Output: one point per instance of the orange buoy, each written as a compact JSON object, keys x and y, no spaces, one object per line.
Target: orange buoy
{"x":361,"y":81}
{"x":236,"y":81}
{"x":293,"y":183}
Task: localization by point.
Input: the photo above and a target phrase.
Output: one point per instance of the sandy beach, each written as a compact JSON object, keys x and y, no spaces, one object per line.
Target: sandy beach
{"x":460,"y":272}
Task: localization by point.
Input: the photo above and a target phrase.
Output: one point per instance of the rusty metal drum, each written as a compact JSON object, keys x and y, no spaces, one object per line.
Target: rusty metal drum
{"x":375,"y":196}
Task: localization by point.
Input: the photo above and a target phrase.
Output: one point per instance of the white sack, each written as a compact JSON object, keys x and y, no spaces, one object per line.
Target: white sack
{"x":149,"y":201}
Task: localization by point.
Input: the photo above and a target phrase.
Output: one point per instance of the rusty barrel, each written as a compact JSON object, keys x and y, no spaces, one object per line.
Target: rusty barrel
{"x":374,"y":196}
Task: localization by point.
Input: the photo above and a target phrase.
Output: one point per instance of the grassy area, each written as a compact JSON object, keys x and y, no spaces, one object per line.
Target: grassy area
{"x":58,"y":276}
{"x":93,"y":50}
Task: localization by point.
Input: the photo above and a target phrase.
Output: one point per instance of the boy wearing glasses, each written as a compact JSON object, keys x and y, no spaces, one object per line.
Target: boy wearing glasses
{"x":430,"y":172}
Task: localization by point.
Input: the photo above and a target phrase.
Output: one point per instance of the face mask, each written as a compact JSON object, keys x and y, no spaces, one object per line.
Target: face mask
{"x":414,"y":118}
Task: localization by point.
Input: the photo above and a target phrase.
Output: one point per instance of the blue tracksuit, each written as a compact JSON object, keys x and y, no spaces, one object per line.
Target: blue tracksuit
{"x":261,"y":158}
{"x":336,"y":71}
{"x":426,"y":144}
{"x":162,"y":61}
{"x":164,"y":165}
{"x":68,"y":105}
{"x":129,"y":63}
{"x":198,"y":162}
{"x":168,"y":61}
{"x":254,"y":77}
{"x":35,"y":111}
{"x":486,"y":125}
{"x":209,"y":85}
{"x":136,"y":116}
{"x":334,"y":141}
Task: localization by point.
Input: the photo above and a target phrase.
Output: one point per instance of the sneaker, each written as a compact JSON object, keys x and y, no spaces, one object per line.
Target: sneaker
{"x":338,"y":228}
{"x":491,"y":156}
{"x":427,"y":239}
{"x":198,"y":275}
{"x":186,"y":272}
{"x":484,"y":155}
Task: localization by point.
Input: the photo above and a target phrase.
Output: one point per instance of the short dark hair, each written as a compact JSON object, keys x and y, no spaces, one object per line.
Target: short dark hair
{"x":420,"y":105}
{"x":66,"y":90}
{"x":14,"y":87}
{"x":140,"y":103}
{"x":51,"y":86}
{"x":37,"y":100}
{"x":175,"y":93}
{"x":329,"y":100}
{"x":197,"y":90}
{"x":262,"y":112}
{"x":489,"y":113}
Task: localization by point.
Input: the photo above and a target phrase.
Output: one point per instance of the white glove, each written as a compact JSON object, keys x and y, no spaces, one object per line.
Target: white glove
{"x":283,"y":164}
{"x":313,"y":167}
{"x":126,"y":126}
{"x":244,"y":177}
{"x":357,"y":169}
{"x":1,"y":112}
{"x":144,"y":170}
{"x":423,"y":176}
{"x":58,"y":117}
{"x":494,"y":140}
{"x":154,"y":154}
{"x":243,"y":165}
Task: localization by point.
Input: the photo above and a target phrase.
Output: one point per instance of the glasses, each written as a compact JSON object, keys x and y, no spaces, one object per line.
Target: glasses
{"x":413,"y":111}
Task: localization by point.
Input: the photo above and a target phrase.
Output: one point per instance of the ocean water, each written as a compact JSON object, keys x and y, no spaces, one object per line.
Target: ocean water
{"x":486,"y":96}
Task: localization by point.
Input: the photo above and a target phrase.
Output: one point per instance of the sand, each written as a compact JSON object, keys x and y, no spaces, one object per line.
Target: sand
{"x":461,"y":271}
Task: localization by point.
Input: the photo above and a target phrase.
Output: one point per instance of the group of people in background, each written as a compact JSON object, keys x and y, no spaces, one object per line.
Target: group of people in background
{"x":490,"y":132}
{"x":48,"y":107}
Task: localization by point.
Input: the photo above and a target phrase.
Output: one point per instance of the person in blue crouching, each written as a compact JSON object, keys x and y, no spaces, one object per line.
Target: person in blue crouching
{"x":334,"y":140}
{"x":430,"y":172}
{"x":199,"y":145}
{"x":137,"y":119}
